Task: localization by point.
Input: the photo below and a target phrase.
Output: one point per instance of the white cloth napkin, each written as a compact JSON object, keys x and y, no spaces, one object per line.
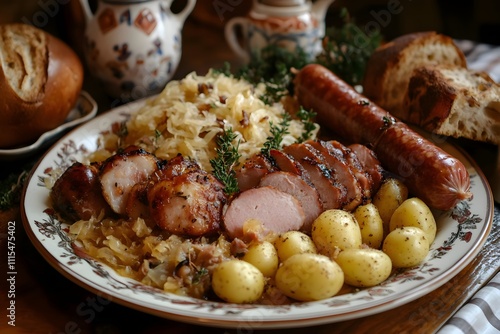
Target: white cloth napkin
{"x":481,"y":314}
{"x":482,"y":57}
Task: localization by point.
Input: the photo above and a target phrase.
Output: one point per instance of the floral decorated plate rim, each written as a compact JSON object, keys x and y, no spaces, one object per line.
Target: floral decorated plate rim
{"x":462,"y":232}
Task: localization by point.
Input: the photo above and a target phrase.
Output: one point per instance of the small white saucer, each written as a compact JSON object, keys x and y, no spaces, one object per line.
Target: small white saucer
{"x":84,"y":110}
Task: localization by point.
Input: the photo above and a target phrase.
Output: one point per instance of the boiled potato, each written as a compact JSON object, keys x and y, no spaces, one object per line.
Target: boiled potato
{"x":406,"y":246}
{"x":335,"y":230}
{"x":414,"y":212}
{"x":237,"y":281}
{"x":307,"y":277}
{"x":371,"y":225}
{"x":264,"y":257}
{"x":390,"y":195}
{"x":364,"y":267}
{"x":293,"y":242}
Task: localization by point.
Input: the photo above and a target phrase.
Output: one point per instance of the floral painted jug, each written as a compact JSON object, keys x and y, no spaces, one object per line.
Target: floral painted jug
{"x":133,"y":46}
{"x":290,"y":24}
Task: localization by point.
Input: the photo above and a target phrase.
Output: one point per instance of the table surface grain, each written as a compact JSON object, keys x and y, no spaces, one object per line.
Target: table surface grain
{"x":47,"y":302}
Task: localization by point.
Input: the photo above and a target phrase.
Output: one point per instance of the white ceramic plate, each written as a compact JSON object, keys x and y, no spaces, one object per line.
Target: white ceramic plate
{"x":85,"y":109}
{"x":461,"y":234}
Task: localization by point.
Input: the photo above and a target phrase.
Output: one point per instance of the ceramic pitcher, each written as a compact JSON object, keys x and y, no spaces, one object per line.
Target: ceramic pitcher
{"x":290,"y":24}
{"x":133,"y":46}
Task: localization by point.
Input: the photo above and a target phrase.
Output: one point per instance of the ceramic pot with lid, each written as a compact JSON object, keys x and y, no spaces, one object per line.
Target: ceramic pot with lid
{"x":290,"y":24}
{"x":133,"y":46}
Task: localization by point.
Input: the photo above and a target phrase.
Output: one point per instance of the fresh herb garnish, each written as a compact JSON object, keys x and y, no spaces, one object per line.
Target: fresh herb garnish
{"x":272,"y":68}
{"x":225,"y":161}
{"x":388,"y":122}
{"x":307,"y":118}
{"x":11,"y":188}
{"x":347,"y":49}
{"x":273,"y":142}
{"x":202,"y":272}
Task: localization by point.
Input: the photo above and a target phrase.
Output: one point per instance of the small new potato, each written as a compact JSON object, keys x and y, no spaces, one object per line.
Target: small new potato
{"x":371,"y":225}
{"x":293,"y":242}
{"x":263,"y":256}
{"x":390,"y":195}
{"x":335,"y":230}
{"x":364,"y":267}
{"x":414,"y":212}
{"x":237,"y":281}
{"x":308,"y":277}
{"x":406,"y":246}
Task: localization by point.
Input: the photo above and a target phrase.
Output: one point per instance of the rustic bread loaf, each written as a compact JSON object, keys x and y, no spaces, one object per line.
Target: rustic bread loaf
{"x":389,"y":69}
{"x":40,"y":80}
{"x":454,"y":101}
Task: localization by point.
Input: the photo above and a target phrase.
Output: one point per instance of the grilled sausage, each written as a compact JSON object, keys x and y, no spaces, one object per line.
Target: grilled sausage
{"x":77,"y":193}
{"x":429,"y":172}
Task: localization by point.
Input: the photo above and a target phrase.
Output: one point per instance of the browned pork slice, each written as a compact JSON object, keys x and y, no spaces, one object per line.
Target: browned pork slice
{"x":121,"y":172}
{"x":259,"y":211}
{"x":77,"y":193}
{"x":331,"y":193}
{"x":189,"y":204}
{"x":287,"y":163}
{"x":136,"y":204}
{"x":252,"y":171}
{"x":296,"y":186}
{"x":336,"y":162}
{"x":176,"y":166}
{"x":364,"y":179}
{"x":371,"y":165}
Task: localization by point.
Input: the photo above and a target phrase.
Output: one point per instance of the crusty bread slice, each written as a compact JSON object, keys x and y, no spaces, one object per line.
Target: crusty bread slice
{"x":41,"y":78}
{"x":389,"y":68}
{"x":454,"y":101}
{"x":24,"y":58}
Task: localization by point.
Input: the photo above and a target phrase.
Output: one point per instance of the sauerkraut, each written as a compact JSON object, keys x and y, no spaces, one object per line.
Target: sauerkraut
{"x":188,"y":114}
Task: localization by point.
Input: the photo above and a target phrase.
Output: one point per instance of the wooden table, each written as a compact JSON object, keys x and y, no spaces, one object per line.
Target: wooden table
{"x":47,"y":302}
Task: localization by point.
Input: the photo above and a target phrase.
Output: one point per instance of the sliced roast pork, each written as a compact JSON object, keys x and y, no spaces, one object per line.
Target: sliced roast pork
{"x":331,"y":193}
{"x":285,"y":162}
{"x":296,"y":186}
{"x":136,"y":204}
{"x":176,"y":166}
{"x":188,"y":204}
{"x":252,"y":171}
{"x":259,"y":211}
{"x":345,"y":176}
{"x":123,"y":171}
{"x":370,"y":164}
{"x":364,"y":179}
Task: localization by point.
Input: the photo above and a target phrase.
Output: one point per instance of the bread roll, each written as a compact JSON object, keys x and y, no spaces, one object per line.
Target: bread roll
{"x":40,"y":80}
{"x":456,"y":102}
{"x":390,"y":67}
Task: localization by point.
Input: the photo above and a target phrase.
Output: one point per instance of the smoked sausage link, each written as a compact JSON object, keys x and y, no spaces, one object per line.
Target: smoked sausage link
{"x":429,"y":172}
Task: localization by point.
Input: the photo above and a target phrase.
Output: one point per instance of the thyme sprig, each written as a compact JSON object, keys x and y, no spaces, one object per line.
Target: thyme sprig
{"x":306,"y":117}
{"x":11,"y":188}
{"x":271,"y":67}
{"x":278,"y":132}
{"x":226,"y":159}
